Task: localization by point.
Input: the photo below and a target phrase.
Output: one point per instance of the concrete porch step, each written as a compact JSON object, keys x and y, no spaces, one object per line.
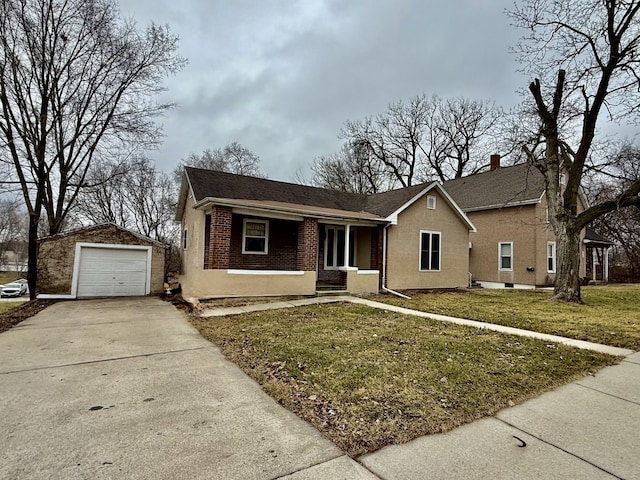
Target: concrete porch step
{"x":331,"y":293}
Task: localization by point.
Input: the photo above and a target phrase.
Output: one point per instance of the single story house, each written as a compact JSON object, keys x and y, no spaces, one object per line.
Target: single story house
{"x":99,"y":261}
{"x":248,"y":236}
{"x":514,"y":245}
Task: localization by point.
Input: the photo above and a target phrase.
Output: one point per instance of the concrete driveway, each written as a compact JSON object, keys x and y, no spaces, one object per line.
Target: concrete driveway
{"x":126,"y":388}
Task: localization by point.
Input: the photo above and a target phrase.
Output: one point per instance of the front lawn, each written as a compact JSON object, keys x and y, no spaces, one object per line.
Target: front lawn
{"x":610,"y":315}
{"x":368,"y":378}
{"x":6,"y":306}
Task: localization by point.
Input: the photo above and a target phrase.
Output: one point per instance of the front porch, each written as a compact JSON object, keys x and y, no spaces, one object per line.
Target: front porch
{"x":349,"y":257}
{"x":247,"y":254}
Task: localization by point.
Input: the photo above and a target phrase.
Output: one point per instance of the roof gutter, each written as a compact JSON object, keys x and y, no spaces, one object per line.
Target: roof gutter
{"x":295,"y":211}
{"x":502,"y":205}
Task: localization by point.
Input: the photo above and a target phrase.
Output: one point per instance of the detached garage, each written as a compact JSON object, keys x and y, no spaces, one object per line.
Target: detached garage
{"x":100,"y":261}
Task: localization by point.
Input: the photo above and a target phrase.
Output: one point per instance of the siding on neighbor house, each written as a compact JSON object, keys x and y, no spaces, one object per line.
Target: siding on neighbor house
{"x":403,"y":251}
{"x":56,"y":256}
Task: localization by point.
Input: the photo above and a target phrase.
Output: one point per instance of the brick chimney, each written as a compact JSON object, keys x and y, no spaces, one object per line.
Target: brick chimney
{"x":495,"y":162}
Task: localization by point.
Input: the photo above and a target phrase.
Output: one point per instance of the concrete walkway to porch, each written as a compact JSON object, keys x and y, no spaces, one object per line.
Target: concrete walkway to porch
{"x":257,"y":307}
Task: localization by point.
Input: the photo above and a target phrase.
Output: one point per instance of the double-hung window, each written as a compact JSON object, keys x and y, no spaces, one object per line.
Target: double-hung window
{"x":429,"y":251}
{"x":255,"y":236}
{"x":551,"y":257}
{"x":505,"y":256}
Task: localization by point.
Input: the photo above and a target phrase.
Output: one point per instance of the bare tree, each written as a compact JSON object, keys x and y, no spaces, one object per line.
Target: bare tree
{"x":349,"y":170}
{"x":393,"y":139}
{"x":427,"y":138}
{"x":101,"y":200}
{"x":12,"y":230}
{"x":233,"y":158}
{"x":77,"y":82}
{"x":606,"y":182}
{"x":589,"y":53}
{"x":149,"y":196}
{"x":138,"y":197}
{"x":469,"y":135}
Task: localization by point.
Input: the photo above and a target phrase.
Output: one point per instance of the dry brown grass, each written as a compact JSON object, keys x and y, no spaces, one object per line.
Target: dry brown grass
{"x":610,"y":314}
{"x":368,"y":378}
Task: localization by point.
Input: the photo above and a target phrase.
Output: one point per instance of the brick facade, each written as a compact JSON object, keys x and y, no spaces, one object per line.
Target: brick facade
{"x":220,"y":237}
{"x":307,"y":245}
{"x":282,"y":247}
{"x":291,"y":245}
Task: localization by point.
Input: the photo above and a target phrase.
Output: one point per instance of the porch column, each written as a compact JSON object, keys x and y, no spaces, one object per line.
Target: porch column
{"x":347,"y":232}
{"x":605,"y":268}
{"x":594,"y":263}
{"x":307,"y":255}
{"x":220,"y":237}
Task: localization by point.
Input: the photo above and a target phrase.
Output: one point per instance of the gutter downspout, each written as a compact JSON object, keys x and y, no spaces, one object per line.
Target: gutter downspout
{"x":384,"y":266}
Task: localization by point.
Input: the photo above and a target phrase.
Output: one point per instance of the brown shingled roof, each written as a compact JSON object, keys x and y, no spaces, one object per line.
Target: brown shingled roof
{"x":502,"y":187}
{"x":213,"y":184}
{"x":222,"y":185}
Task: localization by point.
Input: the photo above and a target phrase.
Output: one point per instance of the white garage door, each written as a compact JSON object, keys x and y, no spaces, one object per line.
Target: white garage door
{"x":112,"y":272}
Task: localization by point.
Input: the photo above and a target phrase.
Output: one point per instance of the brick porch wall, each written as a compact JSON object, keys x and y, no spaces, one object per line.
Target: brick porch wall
{"x":307,"y":245}
{"x":282,"y":247}
{"x":220,"y":237}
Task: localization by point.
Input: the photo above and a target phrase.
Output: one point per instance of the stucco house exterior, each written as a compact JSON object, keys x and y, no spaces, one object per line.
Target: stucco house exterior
{"x":514,"y":245}
{"x":248,"y":236}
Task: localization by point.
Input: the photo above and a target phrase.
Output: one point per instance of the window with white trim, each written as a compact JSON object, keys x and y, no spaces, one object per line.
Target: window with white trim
{"x":505,"y":256}
{"x":431,"y":202}
{"x":551,"y":257}
{"x":430,"y":251}
{"x":255,"y":236}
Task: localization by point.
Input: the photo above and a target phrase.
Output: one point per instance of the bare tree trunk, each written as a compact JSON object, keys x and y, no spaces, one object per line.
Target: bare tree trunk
{"x":32,"y":256}
{"x":567,"y":286}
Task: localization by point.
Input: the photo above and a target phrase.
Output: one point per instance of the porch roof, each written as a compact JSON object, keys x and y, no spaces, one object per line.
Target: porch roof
{"x":593,"y":238}
{"x":270,"y":207}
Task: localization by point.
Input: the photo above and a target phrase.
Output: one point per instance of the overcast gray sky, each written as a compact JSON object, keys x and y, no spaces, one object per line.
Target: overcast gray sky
{"x":282,"y":76}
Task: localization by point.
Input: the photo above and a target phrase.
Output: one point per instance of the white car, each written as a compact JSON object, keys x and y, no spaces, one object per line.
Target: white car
{"x":13,"y":289}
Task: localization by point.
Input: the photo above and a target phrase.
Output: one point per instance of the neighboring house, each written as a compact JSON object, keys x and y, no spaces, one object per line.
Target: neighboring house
{"x":99,"y":261}
{"x":13,"y":257}
{"x":514,"y":245}
{"x":247,"y":236}
{"x":597,"y":255}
